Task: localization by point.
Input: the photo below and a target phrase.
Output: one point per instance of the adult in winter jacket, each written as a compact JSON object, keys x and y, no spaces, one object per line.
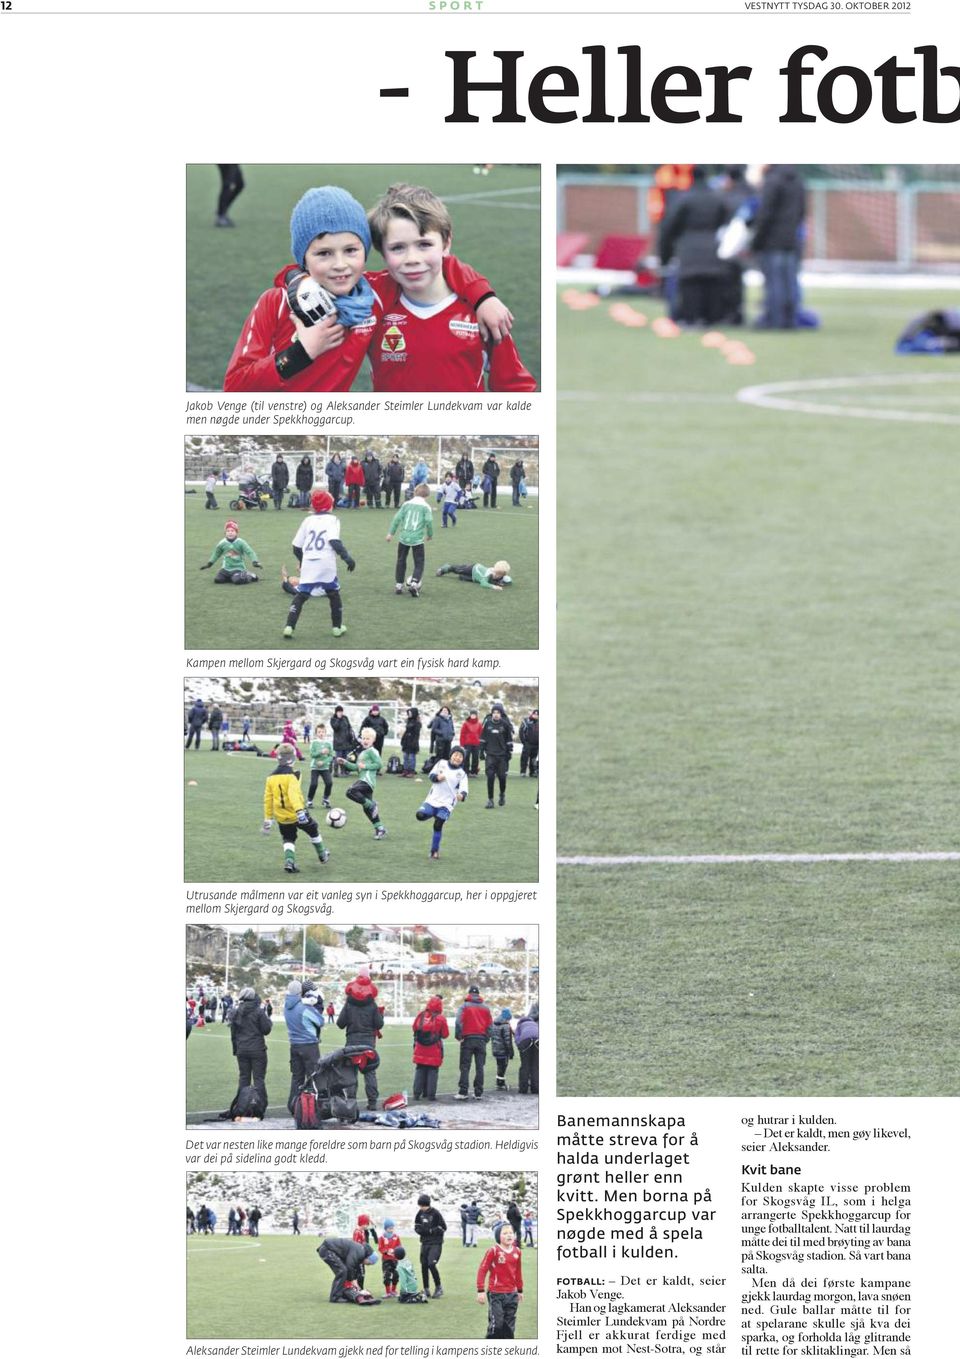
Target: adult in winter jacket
{"x":354,"y":481}
{"x":393,"y":482}
{"x":689,"y":234}
{"x":303,"y":1013}
{"x":496,"y":747}
{"x":341,"y":733}
{"x":253,"y":1218}
{"x":347,"y":1260}
{"x":215,"y":722}
{"x":464,"y":472}
{"x":776,"y":234}
{"x":335,"y":472}
{"x":249,"y":1026}
{"x":420,"y":476}
{"x":470,"y":740}
{"x":471,"y":1222}
{"x":410,"y":742}
{"x":362,"y":1018}
{"x":528,"y":1045}
{"x":441,"y":733}
{"x":378,"y":725}
{"x":501,"y":1045}
{"x":430,"y":1028}
{"x":473,"y":1030}
{"x":372,"y":474}
{"x":517,"y":475}
{"x":279,"y":480}
{"x":491,"y":474}
{"x":304,"y":481}
{"x":431,"y":1229}
{"x":196,"y":721}
{"x":529,"y":734}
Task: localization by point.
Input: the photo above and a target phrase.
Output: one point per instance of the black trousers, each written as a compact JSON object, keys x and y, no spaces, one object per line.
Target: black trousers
{"x":391,"y":1275}
{"x":340,"y":1274}
{"x":419,"y":557}
{"x":393,"y":489}
{"x":473,"y":1050}
{"x":353,"y":496}
{"x":193,"y":734}
{"x":430,"y":1252}
{"x":425,"y":1082}
{"x":372,"y":493}
{"x":299,"y":599}
{"x":490,"y":497}
{"x":496,"y":771}
{"x":530,"y":759}
{"x":252,"y":1067}
{"x":529,"y":1082}
{"x":304,"y":1060}
{"x":315,"y":776}
{"x":472,"y":761}
{"x":501,"y":1315}
{"x":231,"y":187}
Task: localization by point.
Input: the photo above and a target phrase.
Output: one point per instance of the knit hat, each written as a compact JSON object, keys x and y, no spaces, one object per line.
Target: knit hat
{"x":321,"y":502}
{"x":506,"y":1014}
{"x":364,"y":972}
{"x":231,"y":524}
{"x":285,"y":752}
{"x":363,"y":1220}
{"x":473,"y":990}
{"x":323,"y":210}
{"x":388,"y":1223}
{"x":424,"y":1201}
{"x":293,"y":988}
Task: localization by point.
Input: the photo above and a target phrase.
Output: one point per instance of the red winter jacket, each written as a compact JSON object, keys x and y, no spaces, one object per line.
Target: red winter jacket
{"x":474,"y":1019}
{"x":354,"y":474}
{"x":269,"y":330}
{"x":429,"y":1030}
{"x":470,"y":732}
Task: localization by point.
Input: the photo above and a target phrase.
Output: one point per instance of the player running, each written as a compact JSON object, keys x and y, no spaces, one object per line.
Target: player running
{"x":368,"y":765}
{"x":450,"y":786}
{"x":316,"y":546}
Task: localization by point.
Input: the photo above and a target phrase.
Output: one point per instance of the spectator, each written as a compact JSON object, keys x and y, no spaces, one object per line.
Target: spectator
{"x":470,"y":732}
{"x":529,"y":734}
{"x":517,"y":479}
{"x":441,"y":728}
{"x":362,"y":1018}
{"x":689,"y":234}
{"x":430,"y":1028}
{"x":501,"y":1046}
{"x":279,"y":480}
{"x":354,"y":481}
{"x":410,"y":743}
{"x":776,"y":229}
{"x":372,"y":475}
{"x":249,"y":1026}
{"x":335,"y":473}
{"x":528,"y":1046}
{"x":196,"y":721}
{"x":304,"y":481}
{"x":378,"y":725}
{"x":464,"y":472}
{"x":215,"y":722}
{"x":491,"y":475}
{"x":393,"y":481}
{"x":473,"y":1029}
{"x":342,"y":734}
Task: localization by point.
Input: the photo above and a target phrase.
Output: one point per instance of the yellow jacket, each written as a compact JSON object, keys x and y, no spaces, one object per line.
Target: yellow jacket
{"x":282,"y":795}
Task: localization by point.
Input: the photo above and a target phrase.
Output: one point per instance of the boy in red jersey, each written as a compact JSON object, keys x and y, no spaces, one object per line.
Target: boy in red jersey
{"x":504,"y":1292}
{"x":428,"y":339}
{"x":387,"y":1245}
{"x":310,"y":331}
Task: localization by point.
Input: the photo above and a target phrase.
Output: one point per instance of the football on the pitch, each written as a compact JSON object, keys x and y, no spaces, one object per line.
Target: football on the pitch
{"x":336,"y":818}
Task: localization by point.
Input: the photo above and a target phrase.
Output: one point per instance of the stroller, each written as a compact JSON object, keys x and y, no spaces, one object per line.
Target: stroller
{"x":331,"y":1090}
{"x":254,"y":493}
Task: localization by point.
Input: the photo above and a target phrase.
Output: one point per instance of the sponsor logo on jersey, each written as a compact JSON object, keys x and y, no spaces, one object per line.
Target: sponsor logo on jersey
{"x":393,"y":341}
{"x":466,"y":330}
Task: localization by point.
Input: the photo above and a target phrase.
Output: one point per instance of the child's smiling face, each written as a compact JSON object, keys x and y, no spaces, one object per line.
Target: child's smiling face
{"x":414,"y":259}
{"x":335,"y":260}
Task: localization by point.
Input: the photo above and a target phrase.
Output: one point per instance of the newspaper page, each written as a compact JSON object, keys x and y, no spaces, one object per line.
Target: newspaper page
{"x":531,"y":359}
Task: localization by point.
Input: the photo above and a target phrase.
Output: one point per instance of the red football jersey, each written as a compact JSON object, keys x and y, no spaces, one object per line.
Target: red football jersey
{"x":440,"y":349}
{"x":505,"y":1269}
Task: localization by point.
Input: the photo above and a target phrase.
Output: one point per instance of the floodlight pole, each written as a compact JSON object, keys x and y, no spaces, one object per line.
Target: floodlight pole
{"x":526,"y":979}
{"x":304,"y":962}
{"x":226,"y":965}
{"x":400,"y":1006}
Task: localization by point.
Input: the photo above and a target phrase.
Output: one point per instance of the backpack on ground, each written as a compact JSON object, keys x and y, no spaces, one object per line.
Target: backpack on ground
{"x":306,"y":1107}
{"x":394,"y":764}
{"x":246,"y":1104}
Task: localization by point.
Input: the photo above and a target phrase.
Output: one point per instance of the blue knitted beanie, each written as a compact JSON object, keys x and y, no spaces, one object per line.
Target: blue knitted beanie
{"x":323,"y":210}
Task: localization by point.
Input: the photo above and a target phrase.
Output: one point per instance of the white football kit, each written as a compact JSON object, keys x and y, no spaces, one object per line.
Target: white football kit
{"x":445,"y":792}
{"x":314,"y":536}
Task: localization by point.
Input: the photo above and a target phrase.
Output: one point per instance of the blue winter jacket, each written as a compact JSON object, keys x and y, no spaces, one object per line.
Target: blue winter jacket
{"x":304,"y":1022}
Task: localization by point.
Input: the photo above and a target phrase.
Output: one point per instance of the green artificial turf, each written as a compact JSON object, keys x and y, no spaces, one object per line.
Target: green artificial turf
{"x":496,"y":229}
{"x":761,"y":980}
{"x":449,"y":613}
{"x":276,"y":1287}
{"x":767,"y":663}
{"x":223,"y":814}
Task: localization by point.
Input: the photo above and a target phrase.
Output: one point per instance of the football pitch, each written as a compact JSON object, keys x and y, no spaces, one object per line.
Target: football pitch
{"x":496,"y":229}
{"x":449,"y":613}
{"x":777,"y":659}
{"x":212,"y":1071}
{"x":223,"y":813}
{"x":277,"y":1287}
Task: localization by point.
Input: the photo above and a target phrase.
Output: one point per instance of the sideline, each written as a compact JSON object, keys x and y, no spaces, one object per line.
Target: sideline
{"x":625,"y":860}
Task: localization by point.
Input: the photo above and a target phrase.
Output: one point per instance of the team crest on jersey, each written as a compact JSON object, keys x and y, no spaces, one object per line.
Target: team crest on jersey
{"x":464,"y":329}
{"x":393,"y":341}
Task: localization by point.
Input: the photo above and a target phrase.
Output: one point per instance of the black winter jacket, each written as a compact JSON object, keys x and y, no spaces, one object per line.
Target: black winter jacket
{"x":690,"y":229}
{"x":783,"y":205}
{"x":249,"y":1026}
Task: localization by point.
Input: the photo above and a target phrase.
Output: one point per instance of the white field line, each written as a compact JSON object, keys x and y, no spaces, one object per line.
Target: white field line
{"x":490,"y":193}
{"x":767,"y":394}
{"x":625,"y":860}
{"x":208,"y":1250}
{"x":647,"y":398}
